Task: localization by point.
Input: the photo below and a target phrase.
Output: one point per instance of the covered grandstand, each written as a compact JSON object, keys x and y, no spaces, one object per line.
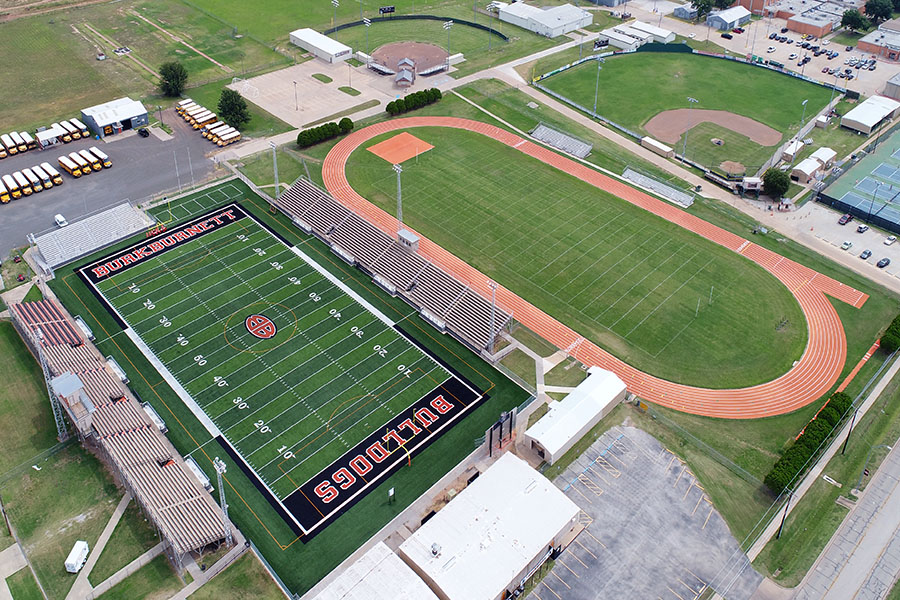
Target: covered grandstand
{"x":443,"y":301}
{"x":102,"y":409}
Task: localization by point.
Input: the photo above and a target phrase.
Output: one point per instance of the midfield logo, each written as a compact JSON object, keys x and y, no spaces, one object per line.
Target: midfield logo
{"x":261,"y":326}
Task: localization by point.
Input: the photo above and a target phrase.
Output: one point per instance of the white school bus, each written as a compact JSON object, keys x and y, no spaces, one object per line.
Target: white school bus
{"x":202,"y":120}
{"x":216,"y":134}
{"x":29,"y":141}
{"x":182,"y":104}
{"x":71,"y":130}
{"x":206,"y":129}
{"x":24,"y":185}
{"x":102,"y":156}
{"x":12,"y":187}
{"x":4,"y":193}
{"x":96,"y":164}
{"x":8,"y":143}
{"x":64,"y":136}
{"x":82,"y":164}
{"x":194,"y":111}
{"x":36,"y":184}
{"x":21,"y":146}
{"x":53,"y":173}
{"x":44,"y":176}
{"x":81,"y":127}
{"x":69,"y":166}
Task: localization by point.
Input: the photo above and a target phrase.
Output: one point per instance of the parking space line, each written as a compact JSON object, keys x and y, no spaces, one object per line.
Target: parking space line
{"x":608,"y":467}
{"x":583,"y":547}
{"x":611,"y":455}
{"x":575,"y":556}
{"x":534,"y":591}
{"x":552,"y":591}
{"x":598,"y":474}
{"x":685,"y":585}
{"x":700,"y":499}
{"x":559,"y":560}
{"x":590,"y":484}
{"x":674,"y":592}
{"x":575,"y":489}
{"x":593,"y":537}
{"x":683,"y":469}
{"x":668,"y":466}
{"x":707,"y":519}
{"x":561,"y":580}
{"x":700,"y":579}
{"x":688,"y":491}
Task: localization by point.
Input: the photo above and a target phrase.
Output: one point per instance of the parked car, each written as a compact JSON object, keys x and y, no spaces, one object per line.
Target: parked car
{"x":727,"y":36}
{"x":60,"y":221}
{"x":849,"y":48}
{"x":792,"y":56}
{"x":865,"y":254}
{"x":143,"y":132}
{"x":845,"y":219}
{"x":825,"y":70}
{"x":883,"y":263}
{"x":871,"y":67}
{"x":784,"y":30}
{"x":890,"y":240}
{"x":847,"y":245}
{"x":862,"y":229}
{"x":770,"y":49}
{"x":773,"y":35}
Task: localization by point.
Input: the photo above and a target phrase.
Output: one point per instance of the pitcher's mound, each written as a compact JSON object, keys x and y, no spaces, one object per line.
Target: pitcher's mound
{"x":424,"y":55}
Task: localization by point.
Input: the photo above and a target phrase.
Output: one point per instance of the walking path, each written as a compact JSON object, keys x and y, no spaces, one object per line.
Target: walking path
{"x":11,"y":561}
{"x":811,"y":377}
{"x":82,"y":587}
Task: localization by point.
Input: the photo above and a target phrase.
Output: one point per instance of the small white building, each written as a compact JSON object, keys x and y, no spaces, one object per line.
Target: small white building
{"x":729,"y":18}
{"x":321,"y":45}
{"x":805,"y":170}
{"x":791,"y":151}
{"x":866,"y":117}
{"x":656,"y":146}
{"x":551,"y":22}
{"x":494,"y":534}
{"x":570,"y":419}
{"x":663,"y":36}
{"x":825,"y":156}
{"x":379,"y":574}
{"x":620,"y":40}
{"x":641,"y":36}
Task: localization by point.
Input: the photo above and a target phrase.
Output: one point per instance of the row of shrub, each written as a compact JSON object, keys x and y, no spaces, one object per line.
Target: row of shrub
{"x":413,"y":101}
{"x":311,"y":137}
{"x":795,"y":458}
{"x":890,"y":341}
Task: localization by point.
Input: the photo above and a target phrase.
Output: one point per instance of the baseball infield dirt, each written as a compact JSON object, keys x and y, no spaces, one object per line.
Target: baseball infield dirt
{"x":669,"y":125}
{"x":424,"y":55}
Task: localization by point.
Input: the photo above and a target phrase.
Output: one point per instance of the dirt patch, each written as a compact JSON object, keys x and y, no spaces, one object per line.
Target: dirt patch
{"x":732,"y":168}
{"x":399,"y":148}
{"x":424,"y":55}
{"x":669,"y":125}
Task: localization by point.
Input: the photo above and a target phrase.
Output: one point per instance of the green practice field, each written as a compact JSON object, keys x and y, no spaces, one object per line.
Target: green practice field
{"x":290,"y":403}
{"x":636,"y":87}
{"x":657,"y":296}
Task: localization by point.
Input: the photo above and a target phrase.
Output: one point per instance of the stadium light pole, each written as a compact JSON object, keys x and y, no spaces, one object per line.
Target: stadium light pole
{"x":360,"y":10}
{"x":335,"y":4}
{"x":368,"y":23}
{"x":398,"y":169}
{"x":490,"y":345}
{"x":296,"y":104}
{"x":275,"y":166}
{"x":691,"y":103}
{"x":803,"y":118}
{"x":872,"y":203}
{"x":490,"y":26}
{"x":597,"y":87}
{"x":447,"y":26}
{"x":220,"y":471}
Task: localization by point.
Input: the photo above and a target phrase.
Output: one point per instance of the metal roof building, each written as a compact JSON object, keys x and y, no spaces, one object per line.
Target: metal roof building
{"x":868,"y":115}
{"x":552,"y":22}
{"x":321,"y":45}
{"x":728,"y":18}
{"x":115,"y":116}
{"x":379,"y":574}
{"x":489,"y":539}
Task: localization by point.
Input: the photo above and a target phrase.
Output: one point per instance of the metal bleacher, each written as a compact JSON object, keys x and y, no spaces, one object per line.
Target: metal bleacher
{"x":562,"y":141}
{"x":461,"y":310}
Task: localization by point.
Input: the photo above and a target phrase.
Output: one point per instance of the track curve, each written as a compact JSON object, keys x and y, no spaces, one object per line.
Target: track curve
{"x":812,"y":376}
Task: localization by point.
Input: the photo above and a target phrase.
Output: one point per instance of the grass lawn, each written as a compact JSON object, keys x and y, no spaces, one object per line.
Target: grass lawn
{"x":250,"y":511}
{"x":815,"y":519}
{"x":841,"y":140}
{"x":627,"y":280}
{"x":568,"y":373}
{"x":71,"y":498}
{"x":245,"y":579}
{"x":27,"y":421}
{"x":33,"y":295}
{"x":262,"y":123}
{"x":154,"y":581}
{"x":522,"y":365}
{"x":656,"y":82}
{"x":322,"y":77}
{"x":22,"y":585}
{"x":349,"y":90}
{"x":132,"y":536}
{"x":534,"y":342}
{"x":895,"y":592}
{"x":258,"y":167}
{"x":344,"y":113}
{"x":846,"y":37}
{"x":10,"y":270}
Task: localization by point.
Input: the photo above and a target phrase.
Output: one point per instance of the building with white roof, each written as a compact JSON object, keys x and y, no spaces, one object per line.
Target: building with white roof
{"x":663,"y":36}
{"x":806,"y":170}
{"x":494,"y":534}
{"x":728,"y":18}
{"x":320,"y":45}
{"x":551,"y":22}
{"x":115,"y":116}
{"x":825,"y":156}
{"x":570,"y":419}
{"x":379,"y":574}
{"x":867,"y":116}
{"x":791,"y":151}
{"x":641,"y":36}
{"x":620,"y":40}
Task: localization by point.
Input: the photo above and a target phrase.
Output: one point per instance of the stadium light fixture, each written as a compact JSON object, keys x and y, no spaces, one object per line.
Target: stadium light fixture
{"x":368,"y":23}
{"x":398,"y":169}
{"x":335,"y":4}
{"x":220,"y":468}
{"x":275,"y":167}
{"x":447,"y":26}
{"x":691,"y":103}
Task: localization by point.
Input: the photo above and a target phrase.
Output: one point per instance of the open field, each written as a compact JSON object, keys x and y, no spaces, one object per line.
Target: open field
{"x":27,"y":421}
{"x":246,"y":579}
{"x":628,"y":280}
{"x":248,"y":508}
{"x":636,"y":87}
{"x":154,"y":581}
{"x":132,"y":536}
{"x":22,"y":585}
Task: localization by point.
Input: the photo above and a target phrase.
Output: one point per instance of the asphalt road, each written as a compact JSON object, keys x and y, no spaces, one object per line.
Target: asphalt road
{"x":142,"y":167}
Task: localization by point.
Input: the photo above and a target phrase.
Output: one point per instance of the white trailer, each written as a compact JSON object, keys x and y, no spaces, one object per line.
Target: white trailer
{"x":77,"y":557}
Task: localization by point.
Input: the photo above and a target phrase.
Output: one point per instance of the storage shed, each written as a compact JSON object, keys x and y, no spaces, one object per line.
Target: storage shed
{"x":805,"y":170}
{"x":729,"y":18}
{"x":551,"y":22}
{"x":320,"y":45}
{"x":115,"y":116}
{"x":867,"y":116}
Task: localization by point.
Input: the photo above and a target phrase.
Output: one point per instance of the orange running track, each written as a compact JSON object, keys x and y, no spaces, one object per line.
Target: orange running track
{"x":810,"y":377}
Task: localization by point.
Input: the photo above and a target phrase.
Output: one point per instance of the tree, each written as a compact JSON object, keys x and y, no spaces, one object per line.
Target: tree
{"x":703,"y":7}
{"x":776,"y":183}
{"x":173,"y":76}
{"x":722,"y":4}
{"x":854,"y":20}
{"x":345,"y":125}
{"x":233,"y":109}
{"x":879,"y":10}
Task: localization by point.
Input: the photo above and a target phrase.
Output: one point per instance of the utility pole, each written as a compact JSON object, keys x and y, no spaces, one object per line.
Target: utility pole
{"x":398,"y":169}
{"x":691,"y":102}
{"x":220,"y":470}
{"x":275,"y":166}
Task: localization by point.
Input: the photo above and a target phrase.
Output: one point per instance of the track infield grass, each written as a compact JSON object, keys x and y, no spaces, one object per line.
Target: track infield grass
{"x":628,"y":280}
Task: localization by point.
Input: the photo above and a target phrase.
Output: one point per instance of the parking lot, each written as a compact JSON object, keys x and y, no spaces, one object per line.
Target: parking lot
{"x":141,"y":168}
{"x":653,"y":531}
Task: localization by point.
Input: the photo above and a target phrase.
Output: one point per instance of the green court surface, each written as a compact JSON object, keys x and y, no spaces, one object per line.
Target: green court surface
{"x":661,"y":298}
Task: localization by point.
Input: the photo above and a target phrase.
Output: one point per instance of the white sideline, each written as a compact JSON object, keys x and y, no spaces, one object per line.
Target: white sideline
{"x":173,"y":383}
{"x":340,"y":284}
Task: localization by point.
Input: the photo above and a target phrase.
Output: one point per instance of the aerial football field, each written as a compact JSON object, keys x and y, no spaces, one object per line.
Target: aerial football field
{"x":313,"y":390}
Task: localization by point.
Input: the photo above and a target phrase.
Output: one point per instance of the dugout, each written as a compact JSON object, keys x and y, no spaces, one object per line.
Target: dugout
{"x":320,"y":45}
{"x":488,"y":541}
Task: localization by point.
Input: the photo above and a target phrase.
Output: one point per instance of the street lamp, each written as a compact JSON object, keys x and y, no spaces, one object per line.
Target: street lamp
{"x":398,"y":169}
{"x":597,"y":87}
{"x":803,"y":118}
{"x":296,"y":104}
{"x":872,"y":203}
{"x":335,"y":4}
{"x":692,"y":102}
{"x":447,"y":26}
{"x":159,"y":110}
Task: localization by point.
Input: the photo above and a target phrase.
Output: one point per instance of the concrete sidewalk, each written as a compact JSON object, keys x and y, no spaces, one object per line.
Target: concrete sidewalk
{"x":11,"y":561}
{"x":82,"y":587}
